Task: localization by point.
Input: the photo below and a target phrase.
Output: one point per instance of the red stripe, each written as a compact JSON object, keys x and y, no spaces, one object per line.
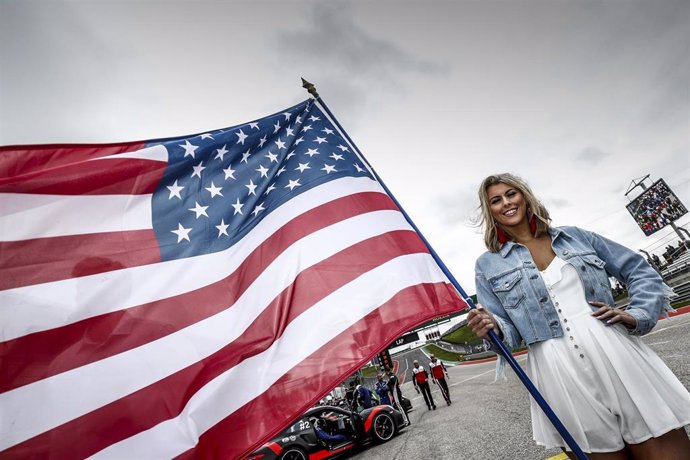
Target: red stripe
{"x":17,"y":160}
{"x":124,"y":176}
{"x":320,"y":455}
{"x":370,"y":418}
{"x":265,"y":416}
{"x":36,"y":356}
{"x":42,"y":260}
{"x":167,"y":397}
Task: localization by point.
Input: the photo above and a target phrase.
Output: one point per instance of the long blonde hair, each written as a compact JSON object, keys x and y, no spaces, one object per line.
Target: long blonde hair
{"x":533,"y":205}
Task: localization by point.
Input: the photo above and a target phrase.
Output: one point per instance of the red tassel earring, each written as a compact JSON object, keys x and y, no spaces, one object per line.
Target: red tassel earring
{"x":533,"y":224}
{"x":502,"y":238}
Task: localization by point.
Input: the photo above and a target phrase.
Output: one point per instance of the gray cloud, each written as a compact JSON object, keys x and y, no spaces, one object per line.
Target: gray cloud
{"x":343,"y":55}
{"x":590,"y":156}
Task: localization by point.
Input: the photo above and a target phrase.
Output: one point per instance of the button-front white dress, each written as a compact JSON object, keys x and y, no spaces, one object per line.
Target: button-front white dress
{"x":605,"y":385}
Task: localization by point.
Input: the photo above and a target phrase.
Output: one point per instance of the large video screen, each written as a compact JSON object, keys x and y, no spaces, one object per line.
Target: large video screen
{"x":656,"y":208}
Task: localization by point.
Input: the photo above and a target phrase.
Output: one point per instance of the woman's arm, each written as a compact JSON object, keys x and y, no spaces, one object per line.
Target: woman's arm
{"x":486,"y":298}
{"x":649,"y":295}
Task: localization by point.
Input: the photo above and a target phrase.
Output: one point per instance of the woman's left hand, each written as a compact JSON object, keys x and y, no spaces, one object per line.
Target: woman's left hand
{"x":612,"y":315}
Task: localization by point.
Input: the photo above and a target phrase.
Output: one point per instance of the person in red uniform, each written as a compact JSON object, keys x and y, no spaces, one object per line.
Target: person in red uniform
{"x":439,"y":374}
{"x":420,"y":379}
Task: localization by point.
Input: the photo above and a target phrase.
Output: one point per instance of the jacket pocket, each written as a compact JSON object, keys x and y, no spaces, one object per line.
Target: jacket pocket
{"x":508,"y":288}
{"x":594,"y":261}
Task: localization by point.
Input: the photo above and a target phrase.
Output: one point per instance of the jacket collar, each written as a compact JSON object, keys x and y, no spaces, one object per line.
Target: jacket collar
{"x":554,"y":232}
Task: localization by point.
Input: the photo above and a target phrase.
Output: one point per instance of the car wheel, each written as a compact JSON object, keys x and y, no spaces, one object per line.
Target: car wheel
{"x":293,"y":453}
{"x":384,"y":427}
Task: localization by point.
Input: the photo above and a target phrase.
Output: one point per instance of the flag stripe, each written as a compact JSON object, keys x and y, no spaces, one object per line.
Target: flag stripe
{"x":325,"y":368}
{"x":32,"y":408}
{"x":42,"y":260}
{"x":54,"y":351}
{"x":23,"y":159}
{"x":58,"y":215}
{"x":161,"y":400}
{"x":234,"y":388}
{"x":112,"y":176}
{"x":45,"y":306}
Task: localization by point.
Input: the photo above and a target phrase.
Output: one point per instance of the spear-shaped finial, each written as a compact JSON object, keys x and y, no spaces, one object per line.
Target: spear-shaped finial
{"x":311,"y":89}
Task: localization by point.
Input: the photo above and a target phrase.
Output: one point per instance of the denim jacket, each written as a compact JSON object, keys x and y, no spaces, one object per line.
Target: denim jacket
{"x":509,"y":285}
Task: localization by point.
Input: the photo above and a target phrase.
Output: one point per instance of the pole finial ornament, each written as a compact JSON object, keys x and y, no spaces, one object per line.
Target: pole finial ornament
{"x":311,"y":89}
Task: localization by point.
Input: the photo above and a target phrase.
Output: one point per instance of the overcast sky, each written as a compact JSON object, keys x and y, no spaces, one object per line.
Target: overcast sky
{"x":577,"y":97}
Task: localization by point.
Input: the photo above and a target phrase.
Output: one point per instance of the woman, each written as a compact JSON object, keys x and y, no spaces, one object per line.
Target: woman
{"x":548,"y":287}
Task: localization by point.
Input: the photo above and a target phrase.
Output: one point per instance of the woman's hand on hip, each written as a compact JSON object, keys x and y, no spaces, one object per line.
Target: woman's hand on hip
{"x":611,"y":315}
{"x":481,"y":321}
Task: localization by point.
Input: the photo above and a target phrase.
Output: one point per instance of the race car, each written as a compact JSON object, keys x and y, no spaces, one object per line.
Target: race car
{"x":327,"y":431}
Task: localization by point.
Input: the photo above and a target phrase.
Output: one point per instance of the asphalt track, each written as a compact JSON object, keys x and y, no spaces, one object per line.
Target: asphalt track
{"x":491,"y":420}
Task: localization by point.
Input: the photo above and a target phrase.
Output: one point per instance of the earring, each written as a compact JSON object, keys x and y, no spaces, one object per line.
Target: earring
{"x":533,"y":224}
{"x":500,"y":234}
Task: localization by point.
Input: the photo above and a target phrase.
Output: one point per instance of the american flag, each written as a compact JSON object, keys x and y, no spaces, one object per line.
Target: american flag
{"x":189,"y":297}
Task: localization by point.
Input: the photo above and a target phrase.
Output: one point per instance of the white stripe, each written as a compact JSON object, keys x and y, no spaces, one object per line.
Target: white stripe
{"x":155,"y":153}
{"x":28,"y":216}
{"x":31,"y":409}
{"x":45,"y":306}
{"x":229,"y":392}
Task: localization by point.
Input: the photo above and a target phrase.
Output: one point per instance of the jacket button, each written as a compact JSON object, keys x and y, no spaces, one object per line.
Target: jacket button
{"x":542,"y":300}
{"x":591,"y":290}
{"x":565,"y":253}
{"x":554,"y":323}
{"x":582,"y":268}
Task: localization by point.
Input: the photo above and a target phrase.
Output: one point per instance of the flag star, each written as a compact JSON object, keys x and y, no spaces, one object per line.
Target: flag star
{"x":238,"y":207}
{"x":206,"y":136}
{"x":343,"y":148}
{"x":215,"y":191}
{"x":290,"y":155}
{"x":302,"y":167}
{"x":263,"y":171}
{"x":280,"y":171}
{"x":241,"y":137}
{"x":262,"y":141}
{"x":197,"y":169}
{"x":276,"y":127}
{"x":320,"y":140}
{"x":280,"y":144}
{"x":221,"y":152}
{"x":182,"y":233}
{"x":254,"y":125}
{"x":199,"y":210}
{"x":327,"y":130}
{"x":298,"y":141}
{"x":290,"y":131}
{"x":292,"y":184}
{"x":329,"y":168}
{"x":312,"y":152}
{"x":270,"y":189}
{"x":358,"y":168}
{"x":313,"y":118}
{"x":336,"y":156}
{"x":287,"y":115}
{"x":272,"y":157}
{"x":188,"y":149}
{"x":222,"y":228}
{"x":257,"y":209}
{"x":307,"y":128}
{"x":175,"y":190}
{"x":229,"y":172}
{"x":298,"y":119}
{"x":245,"y":157}
{"x":252,"y":187}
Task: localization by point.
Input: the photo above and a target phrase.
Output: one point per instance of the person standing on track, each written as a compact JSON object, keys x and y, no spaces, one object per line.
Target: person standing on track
{"x":438,"y":375}
{"x":420,"y":379}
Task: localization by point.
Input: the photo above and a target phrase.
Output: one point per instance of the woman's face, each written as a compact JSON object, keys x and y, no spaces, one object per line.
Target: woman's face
{"x":507,"y":205}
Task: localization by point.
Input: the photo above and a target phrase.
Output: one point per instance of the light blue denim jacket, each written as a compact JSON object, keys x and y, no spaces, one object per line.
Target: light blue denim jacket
{"x":509,"y":285}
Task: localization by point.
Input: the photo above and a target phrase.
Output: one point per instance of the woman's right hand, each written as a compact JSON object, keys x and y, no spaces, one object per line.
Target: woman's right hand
{"x":481,"y":321}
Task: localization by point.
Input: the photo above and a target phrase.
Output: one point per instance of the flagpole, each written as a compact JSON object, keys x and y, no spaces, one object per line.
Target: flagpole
{"x":311,"y":89}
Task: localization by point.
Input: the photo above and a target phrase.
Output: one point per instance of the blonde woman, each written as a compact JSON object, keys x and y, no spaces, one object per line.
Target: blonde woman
{"x":549,"y":288}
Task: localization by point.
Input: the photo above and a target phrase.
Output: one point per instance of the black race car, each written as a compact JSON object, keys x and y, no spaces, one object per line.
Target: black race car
{"x":328,"y":431}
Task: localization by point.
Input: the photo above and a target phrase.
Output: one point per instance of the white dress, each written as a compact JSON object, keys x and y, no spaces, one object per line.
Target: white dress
{"x":605,"y":385}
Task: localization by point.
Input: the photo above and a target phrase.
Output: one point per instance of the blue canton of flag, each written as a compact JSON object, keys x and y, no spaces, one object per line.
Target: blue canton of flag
{"x":219,"y":185}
